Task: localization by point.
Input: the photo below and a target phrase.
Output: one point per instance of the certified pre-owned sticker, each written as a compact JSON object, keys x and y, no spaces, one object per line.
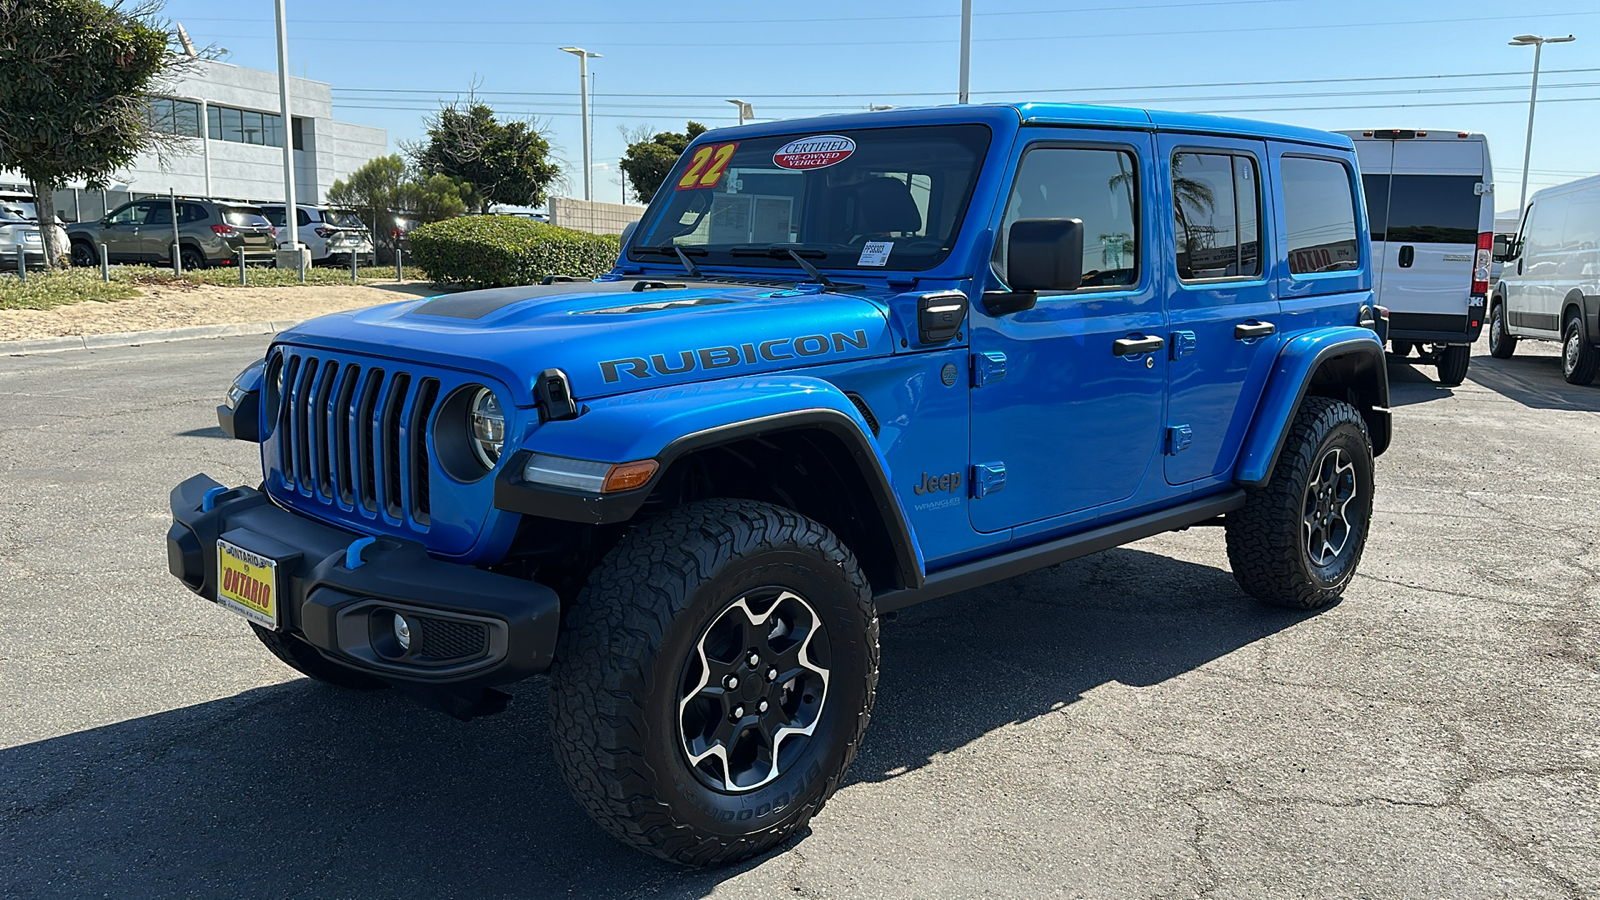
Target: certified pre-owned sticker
{"x":818,"y":152}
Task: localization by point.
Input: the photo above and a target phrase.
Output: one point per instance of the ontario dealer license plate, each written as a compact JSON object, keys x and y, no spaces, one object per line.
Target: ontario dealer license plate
{"x":247,"y":583}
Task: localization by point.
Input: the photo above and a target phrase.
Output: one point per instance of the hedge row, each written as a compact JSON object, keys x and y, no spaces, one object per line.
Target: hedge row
{"x":495,"y":251}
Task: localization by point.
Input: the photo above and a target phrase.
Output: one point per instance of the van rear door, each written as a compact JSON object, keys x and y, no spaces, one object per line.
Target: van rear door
{"x":1376,"y":158}
{"x":1435,"y":205}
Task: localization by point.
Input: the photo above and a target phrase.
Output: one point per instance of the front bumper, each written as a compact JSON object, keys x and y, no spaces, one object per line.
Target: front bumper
{"x":471,"y":628}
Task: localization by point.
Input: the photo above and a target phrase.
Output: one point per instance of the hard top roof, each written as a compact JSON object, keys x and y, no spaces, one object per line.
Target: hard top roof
{"x":1110,"y":117}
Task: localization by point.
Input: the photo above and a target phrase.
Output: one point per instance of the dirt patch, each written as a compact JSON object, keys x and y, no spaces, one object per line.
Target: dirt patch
{"x":175,"y":306}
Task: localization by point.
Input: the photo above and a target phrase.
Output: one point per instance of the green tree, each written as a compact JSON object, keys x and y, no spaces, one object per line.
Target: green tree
{"x":75,"y":78}
{"x":504,"y":162}
{"x":384,"y":189}
{"x":648,"y":160}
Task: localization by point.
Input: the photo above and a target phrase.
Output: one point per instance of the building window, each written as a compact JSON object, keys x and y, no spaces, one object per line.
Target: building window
{"x":170,"y":116}
{"x":243,"y":126}
{"x":296,"y":124}
{"x":1319,"y":209}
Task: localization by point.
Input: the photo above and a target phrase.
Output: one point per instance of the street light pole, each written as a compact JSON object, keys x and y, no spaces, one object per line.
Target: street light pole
{"x":966,"y":48}
{"x":746,"y":111}
{"x":1537,"y":42}
{"x":291,"y":218}
{"x":583,"y":97}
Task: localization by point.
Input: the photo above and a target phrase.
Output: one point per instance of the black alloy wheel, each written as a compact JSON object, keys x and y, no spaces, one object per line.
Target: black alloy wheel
{"x":192,"y":259}
{"x":83,"y":254}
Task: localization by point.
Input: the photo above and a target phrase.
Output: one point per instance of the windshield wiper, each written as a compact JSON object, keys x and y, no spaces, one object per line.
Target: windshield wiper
{"x":796,"y":252}
{"x":683,"y":254}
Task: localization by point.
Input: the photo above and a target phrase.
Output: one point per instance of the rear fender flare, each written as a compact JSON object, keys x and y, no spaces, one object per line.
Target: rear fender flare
{"x":668,"y":423}
{"x":1293,"y":374}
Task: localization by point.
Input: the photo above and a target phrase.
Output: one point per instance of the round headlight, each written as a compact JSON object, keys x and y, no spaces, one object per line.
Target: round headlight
{"x":486,"y":426}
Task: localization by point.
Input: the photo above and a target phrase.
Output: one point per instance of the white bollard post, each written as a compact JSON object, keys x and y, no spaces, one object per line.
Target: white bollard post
{"x":105,"y":265}
{"x":243,"y":279}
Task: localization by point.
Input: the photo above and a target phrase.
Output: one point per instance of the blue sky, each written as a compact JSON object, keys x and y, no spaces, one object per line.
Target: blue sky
{"x":664,"y":63}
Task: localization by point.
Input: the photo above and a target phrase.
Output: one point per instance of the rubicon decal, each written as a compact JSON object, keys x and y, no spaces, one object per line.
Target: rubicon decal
{"x":707,"y":358}
{"x":817,"y":152}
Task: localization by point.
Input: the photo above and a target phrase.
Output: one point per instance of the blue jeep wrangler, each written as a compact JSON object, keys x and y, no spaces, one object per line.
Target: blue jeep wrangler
{"x":842,"y":366}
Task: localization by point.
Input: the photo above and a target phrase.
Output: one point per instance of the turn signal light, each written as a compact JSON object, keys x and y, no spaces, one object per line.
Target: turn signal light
{"x":224,"y":230}
{"x":627,"y":476}
{"x":1480,"y":263}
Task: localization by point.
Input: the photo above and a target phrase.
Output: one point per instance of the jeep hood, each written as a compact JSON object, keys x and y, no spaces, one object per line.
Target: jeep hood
{"x":610,"y":338}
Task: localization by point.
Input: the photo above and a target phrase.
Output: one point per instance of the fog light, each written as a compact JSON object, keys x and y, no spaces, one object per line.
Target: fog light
{"x":402,"y":631}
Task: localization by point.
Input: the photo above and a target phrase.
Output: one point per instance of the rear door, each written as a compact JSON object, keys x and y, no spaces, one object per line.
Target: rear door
{"x":1376,"y":158}
{"x":1431,"y":233}
{"x":1222,"y":308}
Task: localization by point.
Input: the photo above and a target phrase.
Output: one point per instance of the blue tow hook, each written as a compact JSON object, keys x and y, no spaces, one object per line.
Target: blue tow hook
{"x":209,"y":501}
{"x":352,"y":553}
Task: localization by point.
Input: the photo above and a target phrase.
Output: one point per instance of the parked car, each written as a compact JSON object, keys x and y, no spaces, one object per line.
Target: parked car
{"x":20,"y":232}
{"x":842,"y":366}
{"x":209,"y":232}
{"x":332,"y":235}
{"x":1549,"y":289}
{"x":1430,"y":199}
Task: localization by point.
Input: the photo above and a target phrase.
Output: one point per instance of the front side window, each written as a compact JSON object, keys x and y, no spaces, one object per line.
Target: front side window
{"x":1100,"y":187}
{"x":1216,"y":211}
{"x":888,"y":198}
{"x":1319,"y":210}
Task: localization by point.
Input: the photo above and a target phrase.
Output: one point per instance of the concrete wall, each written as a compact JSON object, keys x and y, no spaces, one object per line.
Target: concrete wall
{"x":592,"y":216}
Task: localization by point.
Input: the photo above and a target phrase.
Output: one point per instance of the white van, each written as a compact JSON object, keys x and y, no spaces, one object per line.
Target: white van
{"x":1431,"y":204}
{"x":1549,"y":288}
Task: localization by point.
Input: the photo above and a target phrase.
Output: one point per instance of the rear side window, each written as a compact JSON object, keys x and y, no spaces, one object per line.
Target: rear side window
{"x":275,"y":216}
{"x":1216,"y":213}
{"x":191,"y":212}
{"x":1319,"y":209}
{"x":1098,"y":186}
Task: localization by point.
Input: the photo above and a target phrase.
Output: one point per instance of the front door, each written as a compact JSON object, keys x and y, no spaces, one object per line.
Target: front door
{"x":120,"y":234}
{"x":1070,"y":422}
{"x":1222,"y":310}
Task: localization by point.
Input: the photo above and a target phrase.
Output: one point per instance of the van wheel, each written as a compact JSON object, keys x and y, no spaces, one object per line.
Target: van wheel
{"x":1501,"y":344}
{"x":713,"y":680}
{"x":1579,"y":360}
{"x":1453,"y":362}
{"x":1297,"y":540}
{"x":1401,"y":348}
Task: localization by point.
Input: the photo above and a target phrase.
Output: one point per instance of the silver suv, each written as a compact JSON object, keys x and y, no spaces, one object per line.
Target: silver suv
{"x":209,"y":233}
{"x":332,"y":235}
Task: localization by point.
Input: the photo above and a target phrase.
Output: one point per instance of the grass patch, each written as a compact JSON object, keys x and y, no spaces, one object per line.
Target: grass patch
{"x":45,"y":290}
{"x":259,"y":276}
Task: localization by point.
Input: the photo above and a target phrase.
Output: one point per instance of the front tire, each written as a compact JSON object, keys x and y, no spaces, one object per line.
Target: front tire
{"x":669,"y":735}
{"x":1298,"y":539}
{"x":1453,"y":362}
{"x":1579,"y":359}
{"x":1501,"y":343}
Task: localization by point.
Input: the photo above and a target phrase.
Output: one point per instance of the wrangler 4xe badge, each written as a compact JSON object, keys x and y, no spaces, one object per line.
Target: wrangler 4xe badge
{"x":708,"y":358}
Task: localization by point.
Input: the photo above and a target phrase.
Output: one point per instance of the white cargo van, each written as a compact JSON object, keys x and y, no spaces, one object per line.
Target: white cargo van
{"x":1549,"y":288}
{"x":1431,"y":204}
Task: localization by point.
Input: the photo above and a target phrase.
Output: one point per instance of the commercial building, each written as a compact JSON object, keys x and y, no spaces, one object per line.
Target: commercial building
{"x":235,"y":149}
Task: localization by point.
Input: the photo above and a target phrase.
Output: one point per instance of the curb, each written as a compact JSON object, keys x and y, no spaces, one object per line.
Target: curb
{"x":138,"y":338}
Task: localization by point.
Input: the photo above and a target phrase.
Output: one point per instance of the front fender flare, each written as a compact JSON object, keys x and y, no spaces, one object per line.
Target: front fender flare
{"x":667,"y":423}
{"x":1291,"y":379}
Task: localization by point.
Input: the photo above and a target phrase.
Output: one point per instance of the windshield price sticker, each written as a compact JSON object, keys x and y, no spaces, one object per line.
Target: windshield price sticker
{"x":817,"y":152}
{"x":707,"y":166}
{"x":875,"y":253}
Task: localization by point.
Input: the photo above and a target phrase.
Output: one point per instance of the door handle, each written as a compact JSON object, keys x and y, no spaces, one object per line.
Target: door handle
{"x":1134,"y":346}
{"x":1247,"y":331}
{"x":1408,"y":255}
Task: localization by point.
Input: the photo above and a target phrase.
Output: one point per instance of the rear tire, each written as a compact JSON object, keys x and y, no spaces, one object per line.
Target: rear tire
{"x":1501,"y":343}
{"x":662,"y":725}
{"x":1453,"y":362}
{"x":304,"y":658}
{"x":192,"y":259}
{"x":1298,"y":539}
{"x":1579,"y":359}
{"x":1402,"y":349}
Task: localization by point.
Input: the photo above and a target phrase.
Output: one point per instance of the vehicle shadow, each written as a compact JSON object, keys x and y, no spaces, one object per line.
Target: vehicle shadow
{"x":303,"y":790}
{"x":1534,"y":381}
{"x":1413,"y":381}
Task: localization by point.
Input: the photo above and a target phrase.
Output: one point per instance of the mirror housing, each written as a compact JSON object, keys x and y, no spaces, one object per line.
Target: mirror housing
{"x":1502,"y":247}
{"x":1045,"y":255}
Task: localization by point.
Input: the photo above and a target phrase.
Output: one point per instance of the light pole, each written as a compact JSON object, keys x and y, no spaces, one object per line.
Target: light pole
{"x":746,"y":111}
{"x":583,"y":97}
{"x":966,"y":48}
{"x":291,"y":219}
{"x":1537,"y":42}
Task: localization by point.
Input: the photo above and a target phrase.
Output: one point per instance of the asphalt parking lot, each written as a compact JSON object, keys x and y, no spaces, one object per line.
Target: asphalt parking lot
{"x":1127,"y":725}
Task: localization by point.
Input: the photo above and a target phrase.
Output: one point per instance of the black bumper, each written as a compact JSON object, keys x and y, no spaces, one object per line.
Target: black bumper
{"x":1434,"y":328}
{"x":470,"y":627}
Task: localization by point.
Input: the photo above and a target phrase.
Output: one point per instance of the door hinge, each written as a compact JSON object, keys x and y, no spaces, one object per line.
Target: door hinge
{"x":990,"y":365}
{"x":987,"y":478}
{"x":1178,"y":439}
{"x":1182,"y":344}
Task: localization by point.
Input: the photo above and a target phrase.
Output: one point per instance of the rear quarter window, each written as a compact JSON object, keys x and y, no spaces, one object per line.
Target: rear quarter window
{"x":1319,"y":210}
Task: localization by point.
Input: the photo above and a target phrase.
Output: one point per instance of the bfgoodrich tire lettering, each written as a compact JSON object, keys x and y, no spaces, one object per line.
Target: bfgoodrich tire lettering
{"x":1268,"y":537}
{"x":628,"y":648}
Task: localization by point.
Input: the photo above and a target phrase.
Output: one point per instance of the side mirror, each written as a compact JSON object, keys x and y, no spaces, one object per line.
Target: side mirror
{"x":1041,"y":255}
{"x":1502,"y":247}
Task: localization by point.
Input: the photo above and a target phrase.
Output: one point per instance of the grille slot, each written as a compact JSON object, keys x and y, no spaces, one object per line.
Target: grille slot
{"x":365,"y":425}
{"x":417,"y":435}
{"x":390,"y":449}
{"x":341,"y":421}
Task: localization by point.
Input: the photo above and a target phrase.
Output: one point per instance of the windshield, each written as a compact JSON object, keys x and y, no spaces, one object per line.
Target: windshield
{"x":859,"y":198}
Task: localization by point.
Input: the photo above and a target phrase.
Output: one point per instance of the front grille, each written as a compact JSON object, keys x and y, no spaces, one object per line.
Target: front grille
{"x":354,"y":436}
{"x":450,"y":639}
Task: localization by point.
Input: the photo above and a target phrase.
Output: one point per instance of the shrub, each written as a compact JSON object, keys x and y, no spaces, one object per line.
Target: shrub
{"x":494,"y":251}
